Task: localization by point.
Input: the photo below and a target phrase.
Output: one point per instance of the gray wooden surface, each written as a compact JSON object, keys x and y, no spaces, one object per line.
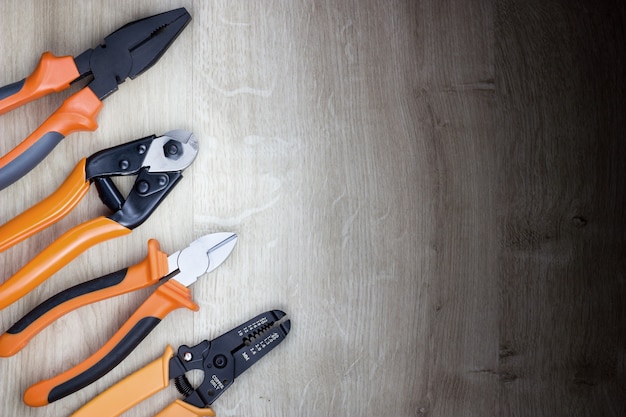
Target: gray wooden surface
{"x":433,"y":190}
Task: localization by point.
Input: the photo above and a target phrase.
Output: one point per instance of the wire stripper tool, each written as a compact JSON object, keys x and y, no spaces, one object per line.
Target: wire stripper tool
{"x":222,"y":360}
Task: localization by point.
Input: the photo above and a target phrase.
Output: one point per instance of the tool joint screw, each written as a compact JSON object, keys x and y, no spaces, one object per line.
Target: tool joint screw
{"x":173,"y":149}
{"x":219,"y":361}
{"x":187,"y":356}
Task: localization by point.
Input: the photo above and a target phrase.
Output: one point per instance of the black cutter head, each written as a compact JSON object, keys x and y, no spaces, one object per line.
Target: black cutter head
{"x":130,"y":50}
{"x":225,"y":358}
{"x":158,"y":162}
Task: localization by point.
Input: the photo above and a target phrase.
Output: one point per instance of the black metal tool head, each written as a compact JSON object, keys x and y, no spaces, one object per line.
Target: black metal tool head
{"x":228,"y":356}
{"x":158,"y":162}
{"x":131,"y":50}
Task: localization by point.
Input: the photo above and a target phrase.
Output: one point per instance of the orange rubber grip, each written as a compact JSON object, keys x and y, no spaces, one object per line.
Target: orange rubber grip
{"x":67,"y":247}
{"x":135,"y":388}
{"x":181,"y":409}
{"x":147,"y":272}
{"x":78,"y":112}
{"x":48,"y":211}
{"x":52,"y":74}
{"x":131,"y":390}
{"x":168,"y":297}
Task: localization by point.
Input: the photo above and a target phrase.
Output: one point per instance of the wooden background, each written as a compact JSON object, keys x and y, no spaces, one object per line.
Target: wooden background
{"x":433,"y":190}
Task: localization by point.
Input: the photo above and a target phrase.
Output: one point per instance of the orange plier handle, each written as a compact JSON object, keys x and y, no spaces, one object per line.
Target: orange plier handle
{"x":167,"y":297}
{"x":48,"y":211}
{"x":52,"y":74}
{"x":135,"y":388}
{"x":77,"y":113}
{"x":58,"y":254}
{"x":144,"y":274}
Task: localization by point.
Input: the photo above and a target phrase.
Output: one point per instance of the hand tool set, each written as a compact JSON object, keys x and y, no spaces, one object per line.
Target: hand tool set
{"x":158,"y":163}
{"x":127,"y":52}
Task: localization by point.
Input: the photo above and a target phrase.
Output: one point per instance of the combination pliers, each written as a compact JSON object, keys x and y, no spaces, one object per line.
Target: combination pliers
{"x":221,"y":360}
{"x":157,"y":162}
{"x":172,"y":276}
{"x":125,"y":53}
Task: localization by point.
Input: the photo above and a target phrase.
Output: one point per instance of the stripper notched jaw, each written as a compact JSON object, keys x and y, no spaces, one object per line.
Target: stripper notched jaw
{"x":283,"y":322}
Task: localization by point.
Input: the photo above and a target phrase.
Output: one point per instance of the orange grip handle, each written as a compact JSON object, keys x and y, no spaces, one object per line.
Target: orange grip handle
{"x":135,"y":388}
{"x":52,"y":74}
{"x":181,"y":409}
{"x":67,"y":247}
{"x":143,"y":274}
{"x":168,"y":297}
{"x":78,"y":112}
{"x":131,"y":390}
{"x":48,"y":211}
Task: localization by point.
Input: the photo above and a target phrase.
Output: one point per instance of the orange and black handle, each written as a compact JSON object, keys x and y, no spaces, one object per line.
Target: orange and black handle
{"x":141,"y":275}
{"x":77,"y":113}
{"x":168,"y":297}
{"x":97,"y":168}
{"x":150,"y":189}
{"x":67,"y":247}
{"x":48,"y":211}
{"x":135,"y":388}
{"x":53,"y":74}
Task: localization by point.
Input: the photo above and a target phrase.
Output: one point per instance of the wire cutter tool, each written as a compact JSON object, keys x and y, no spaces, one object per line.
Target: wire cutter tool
{"x":158,"y":163}
{"x":126,"y":53}
{"x":173,"y":273}
{"x":222,"y":360}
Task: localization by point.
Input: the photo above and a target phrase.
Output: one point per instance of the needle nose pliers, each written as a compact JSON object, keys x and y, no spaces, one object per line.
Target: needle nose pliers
{"x":176,"y":272}
{"x":221,"y":360}
{"x":126,"y":53}
{"x":158,"y":163}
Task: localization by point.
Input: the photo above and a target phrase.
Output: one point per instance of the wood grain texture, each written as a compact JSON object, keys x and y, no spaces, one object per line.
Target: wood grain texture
{"x":433,"y":190}
{"x":561,"y":132}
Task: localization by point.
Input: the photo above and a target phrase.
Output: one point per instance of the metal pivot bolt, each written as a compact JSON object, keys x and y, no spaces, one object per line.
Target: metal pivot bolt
{"x":219,"y":361}
{"x":173,"y":149}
